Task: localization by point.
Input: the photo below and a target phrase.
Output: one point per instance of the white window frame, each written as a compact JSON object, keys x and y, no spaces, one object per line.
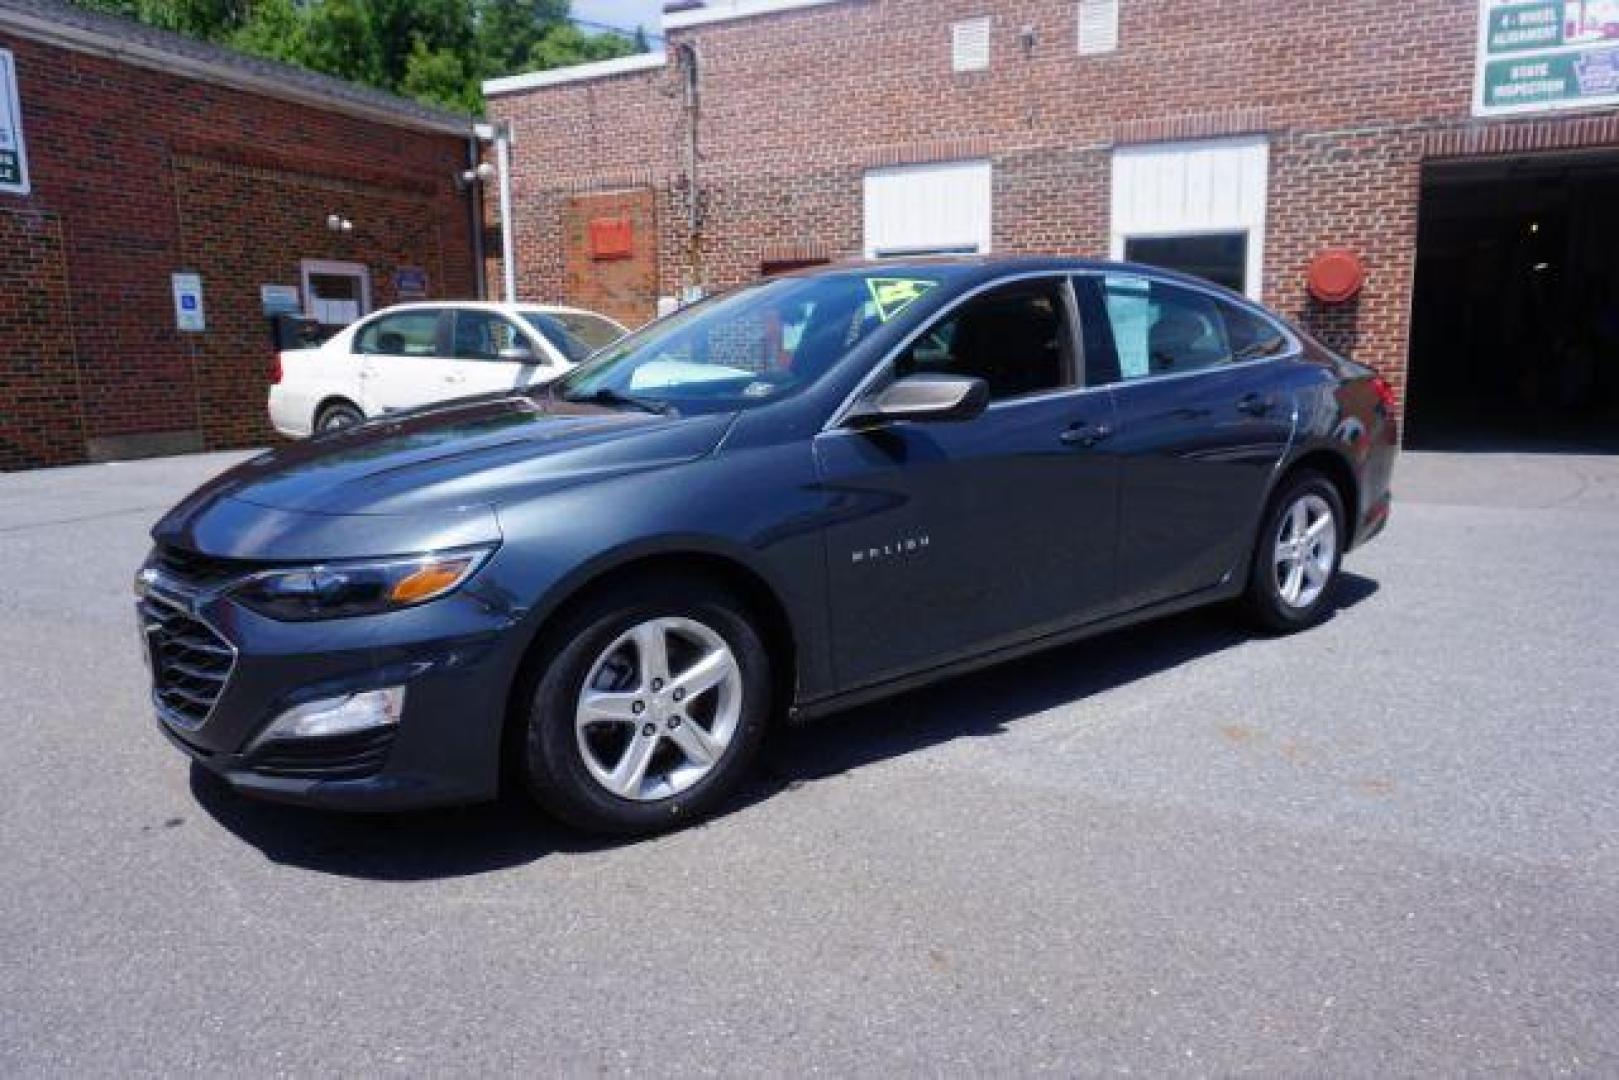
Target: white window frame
{"x":969,"y":241}
{"x":1172,"y":174}
{"x":309,"y":268}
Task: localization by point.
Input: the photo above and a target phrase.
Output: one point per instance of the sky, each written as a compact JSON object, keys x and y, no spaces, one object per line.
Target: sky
{"x":625,"y":13}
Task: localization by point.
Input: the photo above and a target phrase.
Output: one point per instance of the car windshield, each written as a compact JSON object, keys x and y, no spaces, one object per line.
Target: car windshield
{"x":747,"y":347}
{"x":575,"y":333}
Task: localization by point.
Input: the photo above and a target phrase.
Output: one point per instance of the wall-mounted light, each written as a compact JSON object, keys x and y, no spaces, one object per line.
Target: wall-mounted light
{"x":337,"y":223}
{"x":482,"y":174}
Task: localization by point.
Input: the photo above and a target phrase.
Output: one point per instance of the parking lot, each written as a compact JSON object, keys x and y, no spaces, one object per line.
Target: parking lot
{"x":1385,"y":846}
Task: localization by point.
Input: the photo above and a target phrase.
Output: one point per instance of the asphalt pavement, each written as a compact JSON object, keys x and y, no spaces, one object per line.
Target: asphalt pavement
{"x":1386,"y":846}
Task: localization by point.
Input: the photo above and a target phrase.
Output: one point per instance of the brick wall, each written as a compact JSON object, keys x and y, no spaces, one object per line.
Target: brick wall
{"x":147,"y":174}
{"x":623,"y":287}
{"x":796,"y":106}
{"x":40,"y":410}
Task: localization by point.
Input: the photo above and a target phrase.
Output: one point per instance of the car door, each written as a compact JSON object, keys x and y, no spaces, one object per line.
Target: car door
{"x":489,"y":353}
{"x":401,"y":365}
{"x":1202,"y":420}
{"x":955,"y":538}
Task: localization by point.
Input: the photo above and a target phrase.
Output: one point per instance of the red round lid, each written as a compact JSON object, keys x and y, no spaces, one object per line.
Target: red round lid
{"x":1336,"y":275}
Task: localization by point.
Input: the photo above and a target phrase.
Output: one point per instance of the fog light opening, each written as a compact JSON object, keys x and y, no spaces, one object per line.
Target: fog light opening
{"x":344,"y":715}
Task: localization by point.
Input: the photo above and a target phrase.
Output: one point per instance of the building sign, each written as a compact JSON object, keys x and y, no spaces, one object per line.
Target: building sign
{"x":13,"y":155}
{"x":410,"y":283}
{"x":188,"y":302}
{"x":1535,"y":55}
{"x":281,"y":300}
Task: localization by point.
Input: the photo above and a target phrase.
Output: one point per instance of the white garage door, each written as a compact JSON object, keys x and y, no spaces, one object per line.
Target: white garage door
{"x":929,"y":209}
{"x":1202,"y":202}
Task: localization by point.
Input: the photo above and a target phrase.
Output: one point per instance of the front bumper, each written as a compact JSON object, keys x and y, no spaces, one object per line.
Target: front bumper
{"x":456,"y":657}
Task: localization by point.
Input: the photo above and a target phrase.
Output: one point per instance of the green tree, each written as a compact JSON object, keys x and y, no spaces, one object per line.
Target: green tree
{"x":562,"y":44}
{"x":440,"y":77}
{"x":508,"y":30}
{"x":276,"y":29}
{"x":437,"y":51}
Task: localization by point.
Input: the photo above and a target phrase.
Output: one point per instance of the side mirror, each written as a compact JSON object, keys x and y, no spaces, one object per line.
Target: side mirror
{"x":923,"y":399}
{"x":522,"y":353}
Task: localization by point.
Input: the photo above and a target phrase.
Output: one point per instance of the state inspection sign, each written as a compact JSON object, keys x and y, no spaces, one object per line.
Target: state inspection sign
{"x":1539,"y":55}
{"x":13,"y":155}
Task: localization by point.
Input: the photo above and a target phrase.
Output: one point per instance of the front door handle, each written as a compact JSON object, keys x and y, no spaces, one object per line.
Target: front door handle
{"x":1083,"y":434}
{"x":1256,"y":404}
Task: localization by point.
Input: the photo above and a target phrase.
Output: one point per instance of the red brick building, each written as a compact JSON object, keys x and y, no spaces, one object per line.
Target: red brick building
{"x":1464,"y":151}
{"x":128,"y":156}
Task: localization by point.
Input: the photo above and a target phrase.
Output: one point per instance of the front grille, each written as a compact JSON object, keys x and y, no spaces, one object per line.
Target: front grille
{"x":331,"y":757}
{"x":197,"y":570}
{"x":190,"y":661}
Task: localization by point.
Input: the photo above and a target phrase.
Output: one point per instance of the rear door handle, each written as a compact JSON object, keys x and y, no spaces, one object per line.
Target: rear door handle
{"x":1256,"y":404}
{"x":1083,"y":434}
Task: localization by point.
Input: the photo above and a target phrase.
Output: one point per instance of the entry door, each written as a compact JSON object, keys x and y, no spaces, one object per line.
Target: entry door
{"x":1203,"y":416}
{"x":401,"y":365}
{"x":958,"y":537}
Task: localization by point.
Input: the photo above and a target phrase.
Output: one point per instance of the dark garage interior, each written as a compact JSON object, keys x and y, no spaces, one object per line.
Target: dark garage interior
{"x":1515,"y":317}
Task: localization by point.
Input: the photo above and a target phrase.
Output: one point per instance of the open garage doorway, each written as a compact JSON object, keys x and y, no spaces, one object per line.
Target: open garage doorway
{"x":1515,"y":318}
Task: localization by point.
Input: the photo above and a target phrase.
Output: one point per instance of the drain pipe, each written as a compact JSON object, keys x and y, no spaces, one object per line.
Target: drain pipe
{"x":508,"y":241}
{"x":694,"y":218}
{"x":480,"y":283}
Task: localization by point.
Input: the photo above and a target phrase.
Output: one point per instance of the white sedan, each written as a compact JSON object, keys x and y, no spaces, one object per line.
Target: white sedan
{"x":416,"y":354}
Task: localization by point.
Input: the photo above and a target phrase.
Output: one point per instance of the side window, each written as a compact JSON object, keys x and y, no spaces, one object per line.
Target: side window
{"x":481,"y":335}
{"x":409,"y":333}
{"x":1015,"y":338}
{"x":1163,"y":329}
{"x":1252,"y":336}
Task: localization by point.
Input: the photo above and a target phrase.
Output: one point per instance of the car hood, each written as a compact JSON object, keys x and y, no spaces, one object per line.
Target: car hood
{"x":450,"y":465}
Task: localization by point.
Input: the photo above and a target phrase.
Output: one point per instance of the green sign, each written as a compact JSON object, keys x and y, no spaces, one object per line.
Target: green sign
{"x":1535,"y":55}
{"x":13,"y":155}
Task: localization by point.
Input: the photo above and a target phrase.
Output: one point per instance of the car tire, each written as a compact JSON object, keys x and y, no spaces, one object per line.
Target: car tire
{"x":336,"y":416}
{"x":1296,"y":559}
{"x":581,"y":753}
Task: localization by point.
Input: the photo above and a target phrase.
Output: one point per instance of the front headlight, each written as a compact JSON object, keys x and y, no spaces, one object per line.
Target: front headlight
{"x":341,"y":590}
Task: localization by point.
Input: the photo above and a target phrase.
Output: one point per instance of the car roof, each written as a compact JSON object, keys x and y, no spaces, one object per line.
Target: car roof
{"x":489,"y":305}
{"x":969,"y":270}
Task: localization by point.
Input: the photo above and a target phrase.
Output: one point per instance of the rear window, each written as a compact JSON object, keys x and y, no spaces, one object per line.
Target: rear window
{"x":575,"y":335}
{"x":408,"y":333}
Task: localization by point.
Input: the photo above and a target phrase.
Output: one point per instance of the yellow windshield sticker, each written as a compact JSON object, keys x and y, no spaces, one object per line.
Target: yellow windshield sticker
{"x":894,"y":295}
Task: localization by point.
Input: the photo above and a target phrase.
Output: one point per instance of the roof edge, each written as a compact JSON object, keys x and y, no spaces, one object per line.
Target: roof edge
{"x":737,"y":9}
{"x":599,"y":69}
{"x":96,"y":43}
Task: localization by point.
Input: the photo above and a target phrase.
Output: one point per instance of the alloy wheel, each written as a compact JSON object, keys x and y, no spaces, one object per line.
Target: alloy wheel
{"x":659,"y":709}
{"x":1305,"y":551}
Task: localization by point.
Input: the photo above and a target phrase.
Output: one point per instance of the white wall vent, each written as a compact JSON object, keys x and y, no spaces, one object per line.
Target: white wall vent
{"x":969,"y":45}
{"x":1098,"y":26}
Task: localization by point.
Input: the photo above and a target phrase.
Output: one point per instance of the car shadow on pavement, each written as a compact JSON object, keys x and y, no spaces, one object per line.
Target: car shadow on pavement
{"x":460,"y":841}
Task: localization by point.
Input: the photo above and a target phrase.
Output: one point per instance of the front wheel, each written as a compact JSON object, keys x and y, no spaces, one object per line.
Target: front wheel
{"x":1296,"y":561}
{"x":648,"y":710}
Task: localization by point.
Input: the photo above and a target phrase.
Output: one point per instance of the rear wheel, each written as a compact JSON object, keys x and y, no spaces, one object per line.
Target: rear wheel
{"x":648,"y":709}
{"x":339,"y":414}
{"x":1296,"y":561}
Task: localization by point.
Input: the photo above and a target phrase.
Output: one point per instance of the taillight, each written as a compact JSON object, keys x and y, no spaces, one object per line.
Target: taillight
{"x":1384,"y":392}
{"x":275,"y":369}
